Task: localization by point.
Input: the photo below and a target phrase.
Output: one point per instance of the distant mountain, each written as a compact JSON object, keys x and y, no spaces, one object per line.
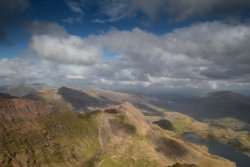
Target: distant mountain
{"x":214,"y":105}
{"x":89,"y":98}
{"x":20,"y":90}
{"x":78,"y":99}
{"x":226,"y":96}
{"x":6,"y":96}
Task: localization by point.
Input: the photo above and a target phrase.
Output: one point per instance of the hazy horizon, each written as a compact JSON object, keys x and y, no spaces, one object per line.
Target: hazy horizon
{"x":142,"y":91}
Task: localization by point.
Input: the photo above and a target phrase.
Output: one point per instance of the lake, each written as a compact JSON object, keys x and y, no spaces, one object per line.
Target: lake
{"x":219,"y":149}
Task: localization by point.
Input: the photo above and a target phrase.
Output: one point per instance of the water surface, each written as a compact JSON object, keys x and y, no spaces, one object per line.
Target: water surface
{"x":219,"y":149}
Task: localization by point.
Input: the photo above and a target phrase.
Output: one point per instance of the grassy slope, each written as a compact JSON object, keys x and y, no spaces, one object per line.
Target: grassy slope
{"x":67,"y":139}
{"x":56,"y":142}
{"x":228,"y":122}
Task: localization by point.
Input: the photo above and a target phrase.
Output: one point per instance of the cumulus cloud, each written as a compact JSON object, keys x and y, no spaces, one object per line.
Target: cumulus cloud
{"x":205,"y":55}
{"x":51,"y":42}
{"x":26,"y":70}
{"x":144,"y":54}
{"x":7,"y":68}
{"x":69,"y":49}
{"x":195,"y":51}
{"x":19,"y":70}
{"x":198,"y":56}
{"x":224,"y":46}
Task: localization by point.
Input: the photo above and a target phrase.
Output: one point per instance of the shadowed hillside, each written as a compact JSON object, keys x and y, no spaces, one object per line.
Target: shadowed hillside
{"x":78,"y":99}
{"x":6,"y":96}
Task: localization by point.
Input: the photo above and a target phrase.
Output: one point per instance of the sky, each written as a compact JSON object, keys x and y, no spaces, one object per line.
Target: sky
{"x":140,"y":45}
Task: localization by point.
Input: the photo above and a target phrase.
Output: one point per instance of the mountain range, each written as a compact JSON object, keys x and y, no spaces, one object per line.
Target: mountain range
{"x":73,"y":126}
{"x":213,"y":105}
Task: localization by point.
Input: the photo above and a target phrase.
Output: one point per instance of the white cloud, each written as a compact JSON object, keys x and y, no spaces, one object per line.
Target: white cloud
{"x":75,"y":77}
{"x":212,"y":50}
{"x":7,"y":68}
{"x":207,"y":55}
{"x":69,"y":49}
{"x":191,"y":56}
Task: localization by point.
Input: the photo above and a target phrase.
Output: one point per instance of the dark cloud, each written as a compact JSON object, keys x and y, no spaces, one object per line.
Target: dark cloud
{"x":176,"y":10}
{"x":226,"y":73}
{"x":38,"y":27}
{"x":181,"y":9}
{"x":9,"y":12}
{"x":230,"y":7}
{"x":11,"y":7}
